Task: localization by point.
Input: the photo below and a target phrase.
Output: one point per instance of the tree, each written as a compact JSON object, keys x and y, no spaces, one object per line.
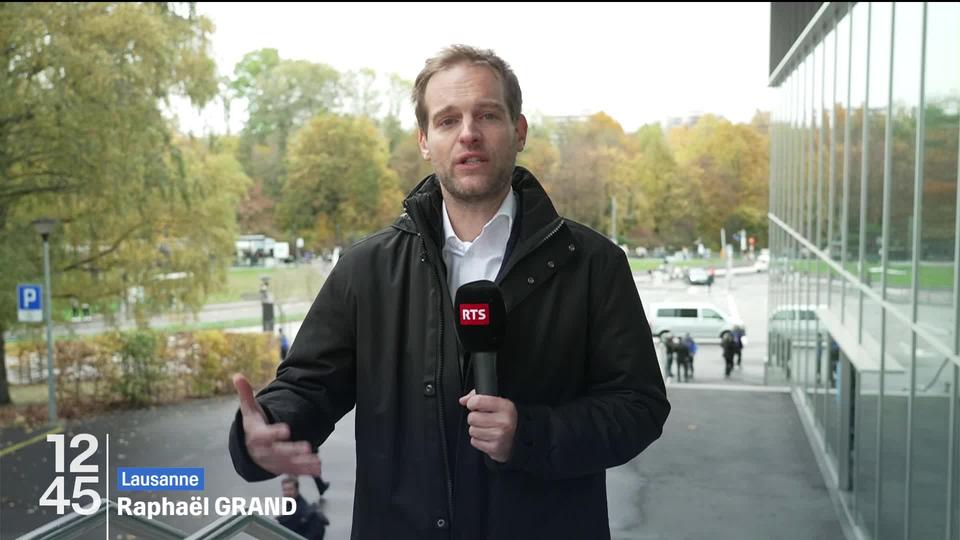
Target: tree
{"x":83,"y":140}
{"x":339,"y":186}
{"x":282,"y":96}
{"x":726,"y":165}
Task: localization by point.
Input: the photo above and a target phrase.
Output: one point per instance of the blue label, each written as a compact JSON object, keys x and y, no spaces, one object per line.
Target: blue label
{"x":159,"y":479}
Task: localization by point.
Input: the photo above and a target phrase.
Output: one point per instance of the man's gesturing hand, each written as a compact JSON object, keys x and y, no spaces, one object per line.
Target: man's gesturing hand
{"x":493,"y":422}
{"x":268,"y":444}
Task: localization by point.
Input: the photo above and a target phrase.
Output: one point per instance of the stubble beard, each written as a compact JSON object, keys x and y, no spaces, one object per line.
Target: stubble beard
{"x":502,"y":177}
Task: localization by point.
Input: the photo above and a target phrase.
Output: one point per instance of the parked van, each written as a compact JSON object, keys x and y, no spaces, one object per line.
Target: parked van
{"x":702,"y":320}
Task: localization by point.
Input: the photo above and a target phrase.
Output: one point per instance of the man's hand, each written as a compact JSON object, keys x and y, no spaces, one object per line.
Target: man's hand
{"x":268,"y":444}
{"x":493,"y":422}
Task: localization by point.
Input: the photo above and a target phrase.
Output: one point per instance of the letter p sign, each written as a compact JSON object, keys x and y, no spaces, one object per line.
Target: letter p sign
{"x":29,"y":303}
{"x":475,"y":314}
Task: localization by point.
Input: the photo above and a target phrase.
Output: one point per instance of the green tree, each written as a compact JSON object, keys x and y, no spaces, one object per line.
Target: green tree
{"x":281,"y":96}
{"x":83,"y":139}
{"x":339,"y":187}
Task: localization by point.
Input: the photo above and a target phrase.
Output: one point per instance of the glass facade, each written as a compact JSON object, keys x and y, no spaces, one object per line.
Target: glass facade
{"x":865,"y":257}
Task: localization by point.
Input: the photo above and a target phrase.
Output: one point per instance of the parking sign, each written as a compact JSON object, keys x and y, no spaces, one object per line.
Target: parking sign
{"x":29,"y":303}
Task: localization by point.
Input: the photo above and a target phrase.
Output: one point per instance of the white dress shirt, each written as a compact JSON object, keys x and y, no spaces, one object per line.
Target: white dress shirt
{"x":480,"y":259}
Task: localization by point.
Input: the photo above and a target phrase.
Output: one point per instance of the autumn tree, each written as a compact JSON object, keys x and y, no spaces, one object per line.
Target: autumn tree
{"x":83,"y":140}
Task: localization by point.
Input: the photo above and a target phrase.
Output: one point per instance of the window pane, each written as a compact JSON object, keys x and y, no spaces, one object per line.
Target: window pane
{"x":865,"y":446}
{"x":930,"y":427}
{"x":688,"y":313}
{"x":840,"y":120}
{"x":894,"y":468}
{"x":880,"y":25}
{"x":906,"y":96}
{"x":826,"y":126}
{"x":941,"y":129}
{"x":831,"y":399}
{"x":956,"y":457}
{"x":858,"y":85}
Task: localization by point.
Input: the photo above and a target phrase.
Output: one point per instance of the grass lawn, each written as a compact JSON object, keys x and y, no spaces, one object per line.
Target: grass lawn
{"x":932,"y":276}
{"x":643,"y":265}
{"x":300,"y":282}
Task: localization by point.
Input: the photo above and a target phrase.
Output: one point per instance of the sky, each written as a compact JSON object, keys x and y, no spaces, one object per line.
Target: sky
{"x":639,"y":63}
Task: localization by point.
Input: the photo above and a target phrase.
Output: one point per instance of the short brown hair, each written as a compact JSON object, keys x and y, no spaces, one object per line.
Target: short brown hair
{"x":457,"y":54}
{"x":291,"y":479}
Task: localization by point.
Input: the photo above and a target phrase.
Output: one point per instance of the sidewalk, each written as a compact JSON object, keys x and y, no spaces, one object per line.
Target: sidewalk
{"x":731,"y":464}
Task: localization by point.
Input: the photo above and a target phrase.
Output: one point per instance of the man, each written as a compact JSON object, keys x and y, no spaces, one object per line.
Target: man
{"x":581,"y":389}
{"x":738,"y":344}
{"x":691,"y":356}
{"x":284,"y":345}
{"x":729,"y":348}
{"x":307,"y":520}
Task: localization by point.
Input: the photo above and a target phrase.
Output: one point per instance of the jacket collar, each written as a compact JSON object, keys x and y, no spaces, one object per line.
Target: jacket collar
{"x":424,"y":210}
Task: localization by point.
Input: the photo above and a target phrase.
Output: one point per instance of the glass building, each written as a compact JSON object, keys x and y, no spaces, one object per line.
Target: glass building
{"x":865,"y":240}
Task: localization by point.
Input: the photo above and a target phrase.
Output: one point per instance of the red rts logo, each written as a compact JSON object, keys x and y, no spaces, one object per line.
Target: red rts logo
{"x":475,"y":314}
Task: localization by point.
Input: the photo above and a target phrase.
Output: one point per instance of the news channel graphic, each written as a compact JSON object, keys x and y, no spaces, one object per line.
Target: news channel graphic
{"x":81,"y":487}
{"x":83,"y":477}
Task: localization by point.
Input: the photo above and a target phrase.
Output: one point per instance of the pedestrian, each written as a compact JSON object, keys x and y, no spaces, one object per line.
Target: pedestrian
{"x":307,"y":520}
{"x":667,"y":339}
{"x":729,"y":349}
{"x":683,"y":358}
{"x":738,"y":343}
{"x":692,"y":350}
{"x":579,"y":382}
{"x":284,"y":345}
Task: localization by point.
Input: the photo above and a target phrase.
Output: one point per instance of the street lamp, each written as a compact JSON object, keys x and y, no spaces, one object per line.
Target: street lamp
{"x":45,"y":226}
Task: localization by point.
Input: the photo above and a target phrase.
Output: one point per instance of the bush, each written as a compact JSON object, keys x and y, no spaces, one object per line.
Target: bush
{"x":145,"y":367}
{"x":141,"y":369}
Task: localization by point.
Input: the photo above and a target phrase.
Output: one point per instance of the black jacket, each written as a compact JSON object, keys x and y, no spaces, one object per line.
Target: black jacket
{"x":578,"y":362}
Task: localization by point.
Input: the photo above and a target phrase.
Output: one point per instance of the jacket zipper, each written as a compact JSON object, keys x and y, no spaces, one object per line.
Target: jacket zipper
{"x":548,"y":237}
{"x":443,"y":421}
{"x":513,"y":261}
{"x":439,"y":382}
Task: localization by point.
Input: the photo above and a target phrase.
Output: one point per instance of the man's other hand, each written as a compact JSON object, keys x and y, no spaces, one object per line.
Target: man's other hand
{"x":268,"y":444}
{"x":493,"y":422}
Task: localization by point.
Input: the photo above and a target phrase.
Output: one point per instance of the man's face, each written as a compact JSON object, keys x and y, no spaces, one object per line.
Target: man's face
{"x":470,"y":139}
{"x":290,"y":490}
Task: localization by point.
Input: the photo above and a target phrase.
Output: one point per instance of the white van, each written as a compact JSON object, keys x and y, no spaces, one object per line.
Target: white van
{"x":702,"y":320}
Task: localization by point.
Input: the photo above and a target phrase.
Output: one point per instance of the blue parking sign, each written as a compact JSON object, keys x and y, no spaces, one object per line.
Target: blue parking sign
{"x":29,"y":303}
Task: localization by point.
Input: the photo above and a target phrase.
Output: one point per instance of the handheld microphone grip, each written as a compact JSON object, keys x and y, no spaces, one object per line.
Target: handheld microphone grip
{"x":485,"y":372}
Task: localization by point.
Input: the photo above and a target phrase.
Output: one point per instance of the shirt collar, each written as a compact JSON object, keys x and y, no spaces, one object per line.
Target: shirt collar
{"x":507,"y":208}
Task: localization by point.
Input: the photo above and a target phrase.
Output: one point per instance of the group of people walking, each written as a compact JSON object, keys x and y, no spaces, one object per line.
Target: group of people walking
{"x":683,"y":350}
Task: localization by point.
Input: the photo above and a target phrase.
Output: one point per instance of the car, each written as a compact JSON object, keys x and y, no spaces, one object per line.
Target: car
{"x":699,"y":276}
{"x":798,"y":322}
{"x":702,"y":320}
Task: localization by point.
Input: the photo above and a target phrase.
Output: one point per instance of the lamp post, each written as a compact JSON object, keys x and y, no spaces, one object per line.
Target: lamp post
{"x":45,"y":226}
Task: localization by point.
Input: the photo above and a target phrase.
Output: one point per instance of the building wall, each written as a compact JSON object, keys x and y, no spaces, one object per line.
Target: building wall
{"x":864,"y":257}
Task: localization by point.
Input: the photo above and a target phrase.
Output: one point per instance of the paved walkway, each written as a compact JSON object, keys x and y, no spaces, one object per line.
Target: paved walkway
{"x":732,"y":463}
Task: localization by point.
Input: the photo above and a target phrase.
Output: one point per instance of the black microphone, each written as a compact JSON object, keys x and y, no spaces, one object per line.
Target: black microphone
{"x":481,"y":327}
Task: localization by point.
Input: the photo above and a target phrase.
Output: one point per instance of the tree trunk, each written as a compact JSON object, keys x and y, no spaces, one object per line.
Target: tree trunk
{"x":4,"y":386}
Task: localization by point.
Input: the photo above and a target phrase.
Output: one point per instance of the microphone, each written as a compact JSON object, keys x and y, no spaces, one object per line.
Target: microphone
{"x":481,"y":327}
